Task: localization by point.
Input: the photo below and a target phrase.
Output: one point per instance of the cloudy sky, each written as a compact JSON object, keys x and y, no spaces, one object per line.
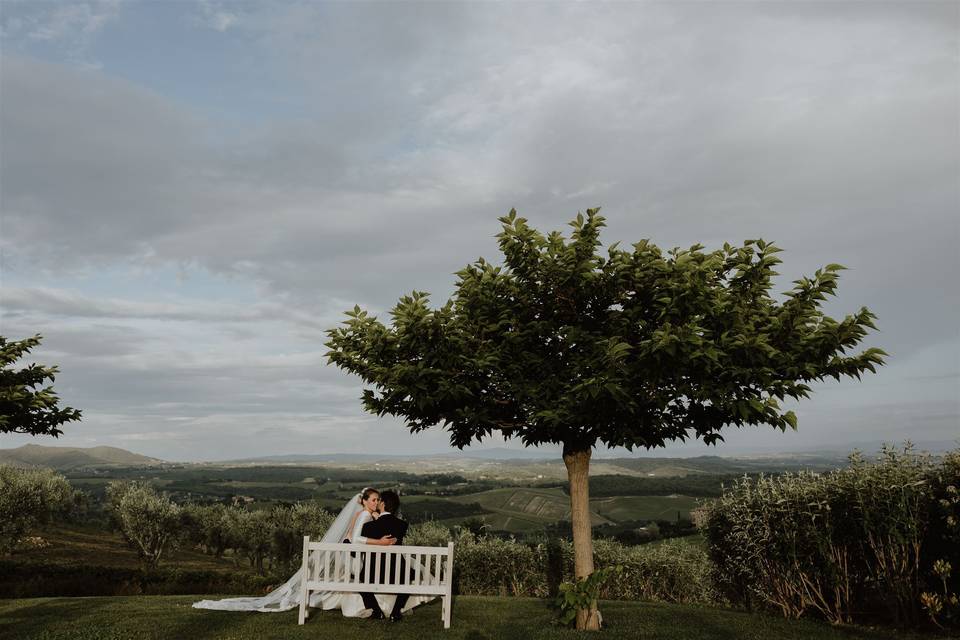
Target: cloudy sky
{"x":193,"y":192}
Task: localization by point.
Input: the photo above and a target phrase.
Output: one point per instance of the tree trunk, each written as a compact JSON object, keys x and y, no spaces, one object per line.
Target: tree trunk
{"x":578,"y":471}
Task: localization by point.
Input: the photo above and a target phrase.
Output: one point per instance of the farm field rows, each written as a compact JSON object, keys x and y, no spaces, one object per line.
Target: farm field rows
{"x":621,"y":508}
{"x":529,"y":508}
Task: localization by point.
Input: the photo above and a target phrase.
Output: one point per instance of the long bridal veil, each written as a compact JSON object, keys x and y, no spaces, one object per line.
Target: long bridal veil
{"x":287,"y":596}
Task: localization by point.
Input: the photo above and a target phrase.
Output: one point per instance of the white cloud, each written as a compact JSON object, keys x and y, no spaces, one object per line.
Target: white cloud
{"x":214,"y":15}
{"x":69,"y":27}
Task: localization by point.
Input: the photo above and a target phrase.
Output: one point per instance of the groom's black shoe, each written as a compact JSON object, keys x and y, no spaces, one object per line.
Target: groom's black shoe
{"x":377,"y":615}
{"x":396,"y":617}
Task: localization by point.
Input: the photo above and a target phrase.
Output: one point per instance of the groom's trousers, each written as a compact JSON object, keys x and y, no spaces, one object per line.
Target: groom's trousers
{"x":370,"y":601}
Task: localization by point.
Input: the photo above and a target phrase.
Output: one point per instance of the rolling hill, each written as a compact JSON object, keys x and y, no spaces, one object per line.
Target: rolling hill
{"x":63,"y":458}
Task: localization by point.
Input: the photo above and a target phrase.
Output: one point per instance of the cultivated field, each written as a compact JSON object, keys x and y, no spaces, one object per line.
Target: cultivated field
{"x":622,"y":508}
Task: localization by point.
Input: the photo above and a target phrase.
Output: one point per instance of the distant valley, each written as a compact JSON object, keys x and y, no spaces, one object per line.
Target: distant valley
{"x":498,"y":465}
{"x":631,"y":498}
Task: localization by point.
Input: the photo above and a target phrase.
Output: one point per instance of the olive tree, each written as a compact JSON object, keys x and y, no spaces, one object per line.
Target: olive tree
{"x":290,"y":524}
{"x":29,"y":497}
{"x":208,"y":527}
{"x":149,"y":521}
{"x":26,"y":405}
{"x":566,"y":345}
{"x":253,"y":532}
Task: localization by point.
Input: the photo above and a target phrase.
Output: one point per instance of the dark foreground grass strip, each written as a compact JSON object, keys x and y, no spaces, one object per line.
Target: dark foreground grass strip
{"x":474,"y":618}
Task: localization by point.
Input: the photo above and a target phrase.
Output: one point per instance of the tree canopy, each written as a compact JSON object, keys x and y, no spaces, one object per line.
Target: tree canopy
{"x":26,"y":405}
{"x":633,"y":348}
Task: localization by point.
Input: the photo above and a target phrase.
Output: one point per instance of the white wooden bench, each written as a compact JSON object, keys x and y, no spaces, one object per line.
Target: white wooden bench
{"x":329,"y":566}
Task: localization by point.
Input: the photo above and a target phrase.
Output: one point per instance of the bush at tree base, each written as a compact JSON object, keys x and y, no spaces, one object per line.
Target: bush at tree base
{"x":854,"y":545}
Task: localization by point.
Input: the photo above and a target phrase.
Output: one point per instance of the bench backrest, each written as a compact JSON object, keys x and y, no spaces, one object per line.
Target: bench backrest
{"x":335,"y":566}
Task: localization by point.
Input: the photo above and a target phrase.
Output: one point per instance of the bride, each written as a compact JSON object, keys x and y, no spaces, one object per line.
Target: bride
{"x":361,"y":509}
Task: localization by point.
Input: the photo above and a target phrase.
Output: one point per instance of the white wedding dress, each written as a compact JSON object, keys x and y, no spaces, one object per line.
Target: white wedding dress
{"x":287,"y":596}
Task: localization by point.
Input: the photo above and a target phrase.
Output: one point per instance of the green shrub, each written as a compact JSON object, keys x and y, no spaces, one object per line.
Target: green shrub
{"x":672,"y":571}
{"x":491,"y":566}
{"x":273,"y":537}
{"x":941,"y":601}
{"x":427,"y":534}
{"x":288,"y":525}
{"x":29,"y":497}
{"x":582,"y":594}
{"x":149,"y":521}
{"x":848,"y":546}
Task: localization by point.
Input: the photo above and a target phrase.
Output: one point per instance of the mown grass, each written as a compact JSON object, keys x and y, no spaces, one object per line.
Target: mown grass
{"x":474,"y":618}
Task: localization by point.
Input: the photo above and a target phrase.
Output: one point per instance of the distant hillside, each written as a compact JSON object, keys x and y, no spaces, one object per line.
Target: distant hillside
{"x":718,"y":465}
{"x":320,"y":458}
{"x":35,"y":455}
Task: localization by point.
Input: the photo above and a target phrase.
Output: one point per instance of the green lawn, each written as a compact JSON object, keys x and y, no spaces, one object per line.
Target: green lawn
{"x":474,"y":618}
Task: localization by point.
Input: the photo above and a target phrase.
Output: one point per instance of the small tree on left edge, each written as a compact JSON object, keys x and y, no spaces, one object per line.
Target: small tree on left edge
{"x":26,"y":405}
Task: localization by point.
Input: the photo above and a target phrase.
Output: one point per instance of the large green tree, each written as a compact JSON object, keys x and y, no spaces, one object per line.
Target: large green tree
{"x":635,"y":348}
{"x":26,"y":405}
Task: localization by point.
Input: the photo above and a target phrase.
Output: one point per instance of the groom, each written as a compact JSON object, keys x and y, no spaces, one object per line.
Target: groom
{"x":388,"y":525}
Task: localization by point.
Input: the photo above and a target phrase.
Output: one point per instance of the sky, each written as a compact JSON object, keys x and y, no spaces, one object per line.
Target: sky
{"x":192,"y":193}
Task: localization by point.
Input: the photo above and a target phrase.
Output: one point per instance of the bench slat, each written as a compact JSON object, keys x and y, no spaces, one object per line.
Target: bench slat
{"x":346,"y":546}
{"x":379,"y":588}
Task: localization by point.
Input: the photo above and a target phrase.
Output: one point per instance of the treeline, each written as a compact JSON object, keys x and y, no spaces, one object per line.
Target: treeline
{"x":286,"y":474}
{"x":424,"y":510}
{"x":628,"y":532}
{"x":289,"y":484}
{"x":152,"y":524}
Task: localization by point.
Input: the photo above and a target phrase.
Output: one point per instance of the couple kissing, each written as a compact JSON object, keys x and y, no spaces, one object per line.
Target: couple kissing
{"x":378,"y":524}
{"x":369,"y":517}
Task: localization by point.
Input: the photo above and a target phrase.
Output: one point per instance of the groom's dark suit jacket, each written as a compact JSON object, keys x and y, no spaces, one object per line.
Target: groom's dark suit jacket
{"x":387,"y":525}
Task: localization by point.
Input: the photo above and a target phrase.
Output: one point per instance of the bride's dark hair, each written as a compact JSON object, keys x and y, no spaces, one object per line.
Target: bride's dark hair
{"x":366,"y":493}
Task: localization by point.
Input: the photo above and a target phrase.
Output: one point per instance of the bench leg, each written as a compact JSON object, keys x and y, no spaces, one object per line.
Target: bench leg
{"x":304,"y":601}
{"x":446,"y":612}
